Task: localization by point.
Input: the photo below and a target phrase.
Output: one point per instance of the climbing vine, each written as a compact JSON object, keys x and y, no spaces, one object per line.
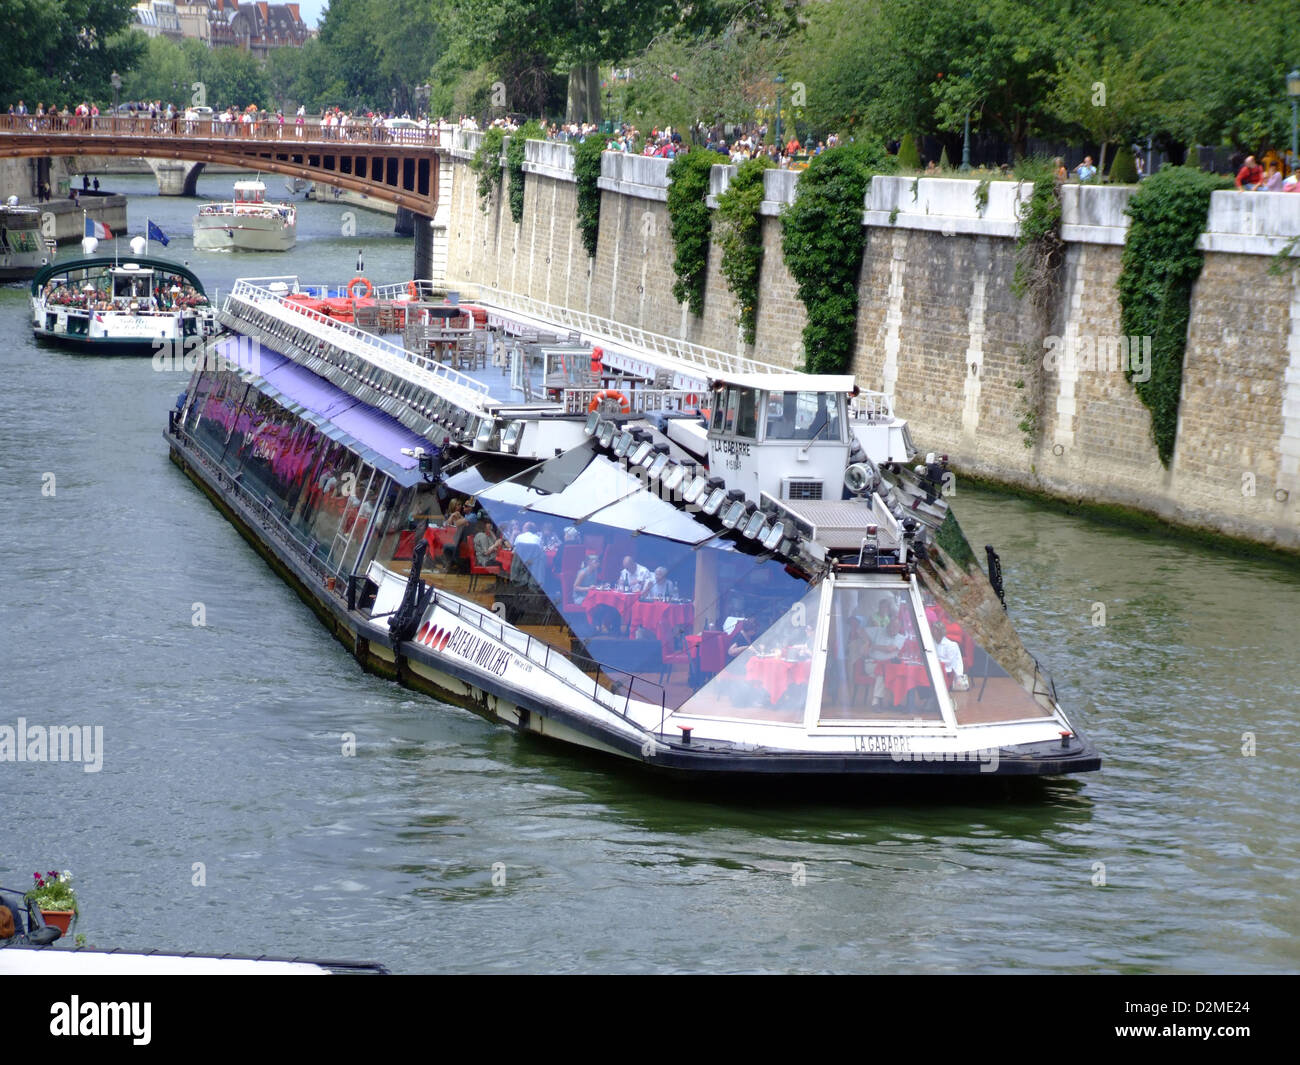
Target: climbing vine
{"x":586,"y":169}
{"x":515,"y":151}
{"x":690,"y":221}
{"x":823,"y":240}
{"x":1160,"y":265}
{"x":487,"y":164}
{"x":740,"y":236}
{"x":1039,"y":248}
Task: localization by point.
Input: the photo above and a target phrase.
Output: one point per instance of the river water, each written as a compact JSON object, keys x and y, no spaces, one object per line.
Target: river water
{"x":227,"y":817}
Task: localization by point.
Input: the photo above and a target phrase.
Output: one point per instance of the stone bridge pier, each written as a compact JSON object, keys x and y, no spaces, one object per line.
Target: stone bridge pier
{"x":176,"y":177}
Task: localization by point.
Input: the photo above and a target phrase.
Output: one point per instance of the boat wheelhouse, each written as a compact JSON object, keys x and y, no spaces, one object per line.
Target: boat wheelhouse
{"x":246,"y":223}
{"x":132,"y":307}
{"x":709,"y":570}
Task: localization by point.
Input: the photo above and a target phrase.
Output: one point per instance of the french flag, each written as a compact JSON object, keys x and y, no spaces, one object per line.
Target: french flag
{"x":97,"y":230}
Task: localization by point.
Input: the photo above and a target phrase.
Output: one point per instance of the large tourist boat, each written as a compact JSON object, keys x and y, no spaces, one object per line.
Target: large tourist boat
{"x":679,"y":558}
{"x":23,"y":250}
{"x":246,"y":223}
{"x":105,"y":305}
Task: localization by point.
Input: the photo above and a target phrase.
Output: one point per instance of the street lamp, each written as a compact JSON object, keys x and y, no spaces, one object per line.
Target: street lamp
{"x":609,"y":110}
{"x":1293,"y":91}
{"x":779,"y":80}
{"x":116,"y":81}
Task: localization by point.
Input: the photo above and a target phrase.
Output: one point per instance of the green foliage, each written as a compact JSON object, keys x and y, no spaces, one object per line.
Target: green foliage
{"x":908,"y":157}
{"x":586,"y":169}
{"x":690,"y":221}
{"x":982,"y":195}
{"x":944,"y":164}
{"x":1161,"y":264}
{"x":1039,"y":248}
{"x":61,"y":52}
{"x":1123,"y":170}
{"x":487,"y":164}
{"x":515,"y":150}
{"x":740,"y":236}
{"x":823,"y":239}
{"x":376,"y":51}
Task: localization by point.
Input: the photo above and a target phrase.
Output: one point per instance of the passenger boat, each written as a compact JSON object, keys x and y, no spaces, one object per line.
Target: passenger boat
{"x":246,"y":223}
{"x":23,"y":250}
{"x":715,"y":568}
{"x":99,"y":304}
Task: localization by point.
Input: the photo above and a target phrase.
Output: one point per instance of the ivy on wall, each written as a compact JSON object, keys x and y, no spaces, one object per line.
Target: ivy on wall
{"x":515,"y":151}
{"x":1160,"y":266}
{"x":586,"y":169}
{"x":1039,"y":248}
{"x":823,"y":240}
{"x":487,"y":164}
{"x":690,"y":222}
{"x":740,"y":236}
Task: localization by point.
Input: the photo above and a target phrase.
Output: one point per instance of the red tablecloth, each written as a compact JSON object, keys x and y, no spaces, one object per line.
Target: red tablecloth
{"x":776,"y":674}
{"x":663,"y":619}
{"x":438,"y":538}
{"x":620,"y":601}
{"x":902,"y":677}
{"x":505,"y":559}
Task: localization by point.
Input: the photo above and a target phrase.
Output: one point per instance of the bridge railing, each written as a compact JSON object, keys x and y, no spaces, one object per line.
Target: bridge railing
{"x":212,"y":128}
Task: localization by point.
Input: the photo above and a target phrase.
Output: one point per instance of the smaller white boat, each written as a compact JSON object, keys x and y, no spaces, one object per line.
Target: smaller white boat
{"x":248,"y":222}
{"x":23,"y":250}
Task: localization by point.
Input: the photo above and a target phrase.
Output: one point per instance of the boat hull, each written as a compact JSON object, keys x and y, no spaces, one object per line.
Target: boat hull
{"x":423,"y":669}
{"x":243,"y":234}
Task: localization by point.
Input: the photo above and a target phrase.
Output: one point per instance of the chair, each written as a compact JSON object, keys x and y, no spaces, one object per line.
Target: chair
{"x":713,"y":651}
{"x":476,"y":571}
{"x":675,"y":654}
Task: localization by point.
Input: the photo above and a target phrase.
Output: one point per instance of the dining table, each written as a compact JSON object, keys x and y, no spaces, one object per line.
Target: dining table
{"x":776,"y":673}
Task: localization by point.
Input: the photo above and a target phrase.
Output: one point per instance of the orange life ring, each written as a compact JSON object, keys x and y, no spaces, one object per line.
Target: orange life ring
{"x":412,"y":290}
{"x":597,"y":363}
{"x":610,"y":393}
{"x":368,"y":288}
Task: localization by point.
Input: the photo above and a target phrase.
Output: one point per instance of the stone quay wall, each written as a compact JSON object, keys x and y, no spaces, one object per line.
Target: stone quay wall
{"x":940,"y":332}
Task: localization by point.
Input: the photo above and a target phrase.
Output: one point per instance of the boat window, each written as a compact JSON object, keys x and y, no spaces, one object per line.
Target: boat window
{"x":747,"y":413}
{"x":989,"y":693}
{"x":803,"y":416}
{"x":876,"y":666}
{"x":761,"y":663}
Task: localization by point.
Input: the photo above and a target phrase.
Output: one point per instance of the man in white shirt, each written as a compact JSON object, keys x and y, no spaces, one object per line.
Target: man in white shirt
{"x":635,"y":577}
{"x":530,"y":556}
{"x":949,"y":655}
{"x":660,"y":586}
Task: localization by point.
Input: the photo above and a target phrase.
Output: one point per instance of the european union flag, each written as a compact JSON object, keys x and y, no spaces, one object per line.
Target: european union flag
{"x":157,"y":234}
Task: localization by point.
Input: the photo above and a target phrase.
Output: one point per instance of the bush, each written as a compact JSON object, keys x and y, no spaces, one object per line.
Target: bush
{"x":1039,"y":248}
{"x":1123,"y":170}
{"x":586,"y":169}
{"x":943,"y":160}
{"x":691,"y":222}
{"x":908,"y":157}
{"x":823,"y":239}
{"x":1160,"y":266}
{"x":740,"y":236}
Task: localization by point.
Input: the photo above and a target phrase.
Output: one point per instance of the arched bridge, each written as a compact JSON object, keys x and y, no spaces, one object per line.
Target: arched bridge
{"x":399,"y":166}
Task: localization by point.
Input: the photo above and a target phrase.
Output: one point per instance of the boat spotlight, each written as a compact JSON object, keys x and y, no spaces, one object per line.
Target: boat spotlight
{"x":605,"y":434}
{"x":593,"y":423}
{"x":859,"y":478}
{"x":672,"y":477}
{"x":714,"y":502}
{"x":774,"y":535}
{"x":755,"y":527}
{"x":659,"y":462}
{"x":510,"y":438}
{"x":623,"y":443}
{"x":696,"y":488}
{"x":735,"y":514}
{"x":640,"y":453}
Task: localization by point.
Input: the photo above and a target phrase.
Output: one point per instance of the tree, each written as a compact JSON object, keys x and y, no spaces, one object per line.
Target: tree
{"x":64,"y":51}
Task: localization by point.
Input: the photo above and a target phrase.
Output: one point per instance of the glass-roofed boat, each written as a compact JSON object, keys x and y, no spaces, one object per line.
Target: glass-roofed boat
{"x":683,"y":559}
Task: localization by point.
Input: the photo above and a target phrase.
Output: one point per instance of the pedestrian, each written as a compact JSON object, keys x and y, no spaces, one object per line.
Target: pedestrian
{"x":1086,"y":171}
{"x":1250,"y":176}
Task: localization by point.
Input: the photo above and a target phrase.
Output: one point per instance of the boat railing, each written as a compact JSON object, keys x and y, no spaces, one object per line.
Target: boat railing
{"x":458,"y":387}
{"x":579,"y":400}
{"x":871,"y":407}
{"x":689,"y":356}
{"x":541,"y":653}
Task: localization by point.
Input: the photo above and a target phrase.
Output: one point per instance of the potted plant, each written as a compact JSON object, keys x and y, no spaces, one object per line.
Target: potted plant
{"x":55,"y":898}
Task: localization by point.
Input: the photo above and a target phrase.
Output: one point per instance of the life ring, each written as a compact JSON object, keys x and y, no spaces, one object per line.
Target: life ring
{"x":610,"y":393}
{"x":413,"y":290}
{"x":692,"y":400}
{"x":597,"y":364}
{"x":368,"y":288}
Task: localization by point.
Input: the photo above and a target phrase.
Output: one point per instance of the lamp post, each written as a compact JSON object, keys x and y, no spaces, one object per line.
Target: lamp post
{"x":1293,"y":92}
{"x":116,"y":81}
{"x":965,"y":144}
{"x":609,"y":110}
{"x":779,"y":80}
